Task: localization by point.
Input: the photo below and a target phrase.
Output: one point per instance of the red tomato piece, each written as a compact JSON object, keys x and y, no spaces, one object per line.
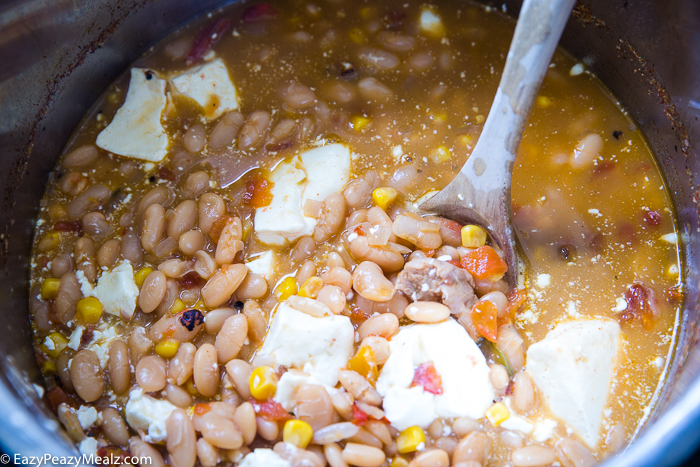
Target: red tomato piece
{"x":358,"y":416}
{"x":427,"y":376}
{"x":258,"y":191}
{"x":516,"y":298}
{"x":205,"y":39}
{"x":485,"y":319}
{"x":258,"y":12}
{"x":484,"y":263}
{"x":269,"y":409}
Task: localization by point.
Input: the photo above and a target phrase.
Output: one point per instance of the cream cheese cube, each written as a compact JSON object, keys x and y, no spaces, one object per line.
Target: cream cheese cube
{"x":573,"y":368}
{"x":88,"y":447}
{"x":148,"y":415}
{"x":466,"y":385}
{"x":263,"y":457}
{"x":318,"y":346}
{"x":136,"y":129}
{"x":87,"y":416}
{"x":117,"y":291}
{"x":314,"y":175}
{"x":263,"y":264}
{"x":210,"y":86}
{"x":431,"y":23}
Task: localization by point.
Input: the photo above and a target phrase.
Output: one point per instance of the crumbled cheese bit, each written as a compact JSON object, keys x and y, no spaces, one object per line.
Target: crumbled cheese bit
{"x":543,"y":280}
{"x":671,"y":238}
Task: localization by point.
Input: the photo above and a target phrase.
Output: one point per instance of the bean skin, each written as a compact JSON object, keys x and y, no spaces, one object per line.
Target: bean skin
{"x":427,"y":312}
{"x":210,"y":207}
{"x":142,"y":450}
{"x":178,"y":396}
{"x":314,"y":406}
{"x":191,"y":241}
{"x":195,"y":184}
{"x":363,"y":456}
{"x":223,"y":284}
{"x":131,"y":248}
{"x":244,"y":419}
{"x":80,"y":157}
{"x":86,"y":375}
{"x":84,"y":253}
{"x":206,"y":370}
{"x":181,"y":440}
{"x":153,"y":226}
{"x":231,"y":337}
{"x":267,"y":429}
{"x":214,"y":320}
{"x":523,"y":392}
{"x":207,"y":454}
{"x":257,"y":324}
{"x":476,"y":446}
{"x":304,"y":248}
{"x":340,"y":277}
{"x":114,"y":427}
{"x":253,"y":286}
{"x":182,"y":218}
{"x":152,"y":291}
{"x":150,"y":373}
{"x":332,"y":217}
{"x":61,"y":264}
{"x":533,"y":456}
{"x":252,"y":131}
{"x":181,"y":365}
{"x":369,"y":281}
{"x":220,"y":431}
{"x":225,"y":130}
{"x":63,"y":371}
{"x":119,"y":369}
{"x":67,"y":297}
{"x":194,"y":138}
{"x":108,"y":253}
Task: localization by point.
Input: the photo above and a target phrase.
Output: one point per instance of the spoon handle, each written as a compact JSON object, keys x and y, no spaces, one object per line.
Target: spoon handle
{"x":537,"y":34}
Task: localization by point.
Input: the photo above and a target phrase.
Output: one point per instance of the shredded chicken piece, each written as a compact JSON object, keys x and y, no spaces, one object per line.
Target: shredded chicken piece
{"x":433,"y":280}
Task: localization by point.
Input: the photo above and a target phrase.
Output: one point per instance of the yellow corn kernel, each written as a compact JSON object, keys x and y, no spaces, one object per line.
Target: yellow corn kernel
{"x":441,"y":154}
{"x":49,"y":241}
{"x":263,"y":383}
{"x":473,"y":236}
{"x":311,"y":287}
{"x":410,"y":439}
{"x":298,"y":433}
{"x":359,"y":122}
{"x":480,"y":119}
{"x":365,"y":363}
{"x":190,"y":411}
{"x":59,"y":343}
{"x":384,"y":196}
{"x":167,"y":348}
{"x":439,"y":117}
{"x":543,"y":101}
{"x":90,"y":309}
{"x":177,"y":306}
{"x":48,"y":367}
{"x":367,"y":12}
{"x":497,"y":414}
{"x":49,"y":288}
{"x":141,"y":275}
{"x":247,"y":228}
{"x":398,"y":462}
{"x":191,"y":388}
{"x":358,"y":36}
{"x":465,"y":140}
{"x":286,"y":289}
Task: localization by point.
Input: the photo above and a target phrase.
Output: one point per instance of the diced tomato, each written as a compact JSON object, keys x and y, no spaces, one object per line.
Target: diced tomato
{"x":427,"y":376}
{"x":68,"y":226}
{"x":206,"y":38}
{"x":358,"y":416}
{"x":258,"y":12}
{"x":484,"y":263}
{"x":201,"y":408}
{"x":674,"y":294}
{"x":57,"y":397}
{"x":652,"y":218}
{"x":485,"y":319}
{"x":166,"y":174}
{"x":641,"y":305}
{"x":429,"y":253}
{"x":269,"y":409}
{"x":456,"y":263}
{"x":516,"y":298}
{"x":218,"y":226}
{"x":190,"y":280}
{"x":112,"y":455}
{"x":359,"y":315}
{"x":258,"y":191}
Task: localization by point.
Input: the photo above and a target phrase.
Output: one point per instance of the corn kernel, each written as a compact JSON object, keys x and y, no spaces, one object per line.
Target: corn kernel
{"x":359,"y":122}
{"x":286,"y":289}
{"x":141,"y":275}
{"x":263,"y":382}
{"x":311,"y":287}
{"x":358,"y":36}
{"x":439,"y":117}
{"x":544,"y":101}
{"x":441,"y":154}
{"x":398,"y":462}
{"x":49,"y":241}
{"x":167,"y":348}
{"x":410,"y":439}
{"x":497,"y":414}
{"x":59,"y":343}
{"x":49,"y":288}
{"x":90,"y":309}
{"x":365,"y":363}
{"x":298,"y":433}
{"x":48,"y":367}
{"x":480,"y":119}
{"x":384,"y":196}
{"x":177,"y":306}
{"x":465,"y":140}
{"x":191,"y":388}
{"x":367,"y":12}
{"x":473,"y":236}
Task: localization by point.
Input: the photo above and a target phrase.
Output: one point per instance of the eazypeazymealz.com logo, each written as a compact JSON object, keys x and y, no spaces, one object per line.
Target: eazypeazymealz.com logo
{"x":85,"y":459}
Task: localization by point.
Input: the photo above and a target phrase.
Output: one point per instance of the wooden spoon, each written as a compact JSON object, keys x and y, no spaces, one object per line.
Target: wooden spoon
{"x":480,"y":193}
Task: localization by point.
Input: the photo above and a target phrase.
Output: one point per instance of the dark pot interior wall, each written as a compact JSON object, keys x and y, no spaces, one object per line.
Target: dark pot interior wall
{"x":59,"y":55}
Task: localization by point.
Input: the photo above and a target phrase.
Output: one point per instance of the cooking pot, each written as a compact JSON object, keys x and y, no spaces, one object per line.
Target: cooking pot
{"x":57,"y":57}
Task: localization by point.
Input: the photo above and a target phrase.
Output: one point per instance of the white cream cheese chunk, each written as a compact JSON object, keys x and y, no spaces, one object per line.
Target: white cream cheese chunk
{"x":263,"y":457}
{"x":88,"y":447}
{"x":101,"y":341}
{"x":466,"y":386}
{"x":75,"y":337}
{"x":318,"y":346}
{"x":136,"y":129}
{"x":431,"y":23}
{"x":148,"y":415}
{"x":263,"y":264}
{"x":117,"y":291}
{"x":314,"y":175}
{"x":210,"y":86}
{"x":573,"y":368}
